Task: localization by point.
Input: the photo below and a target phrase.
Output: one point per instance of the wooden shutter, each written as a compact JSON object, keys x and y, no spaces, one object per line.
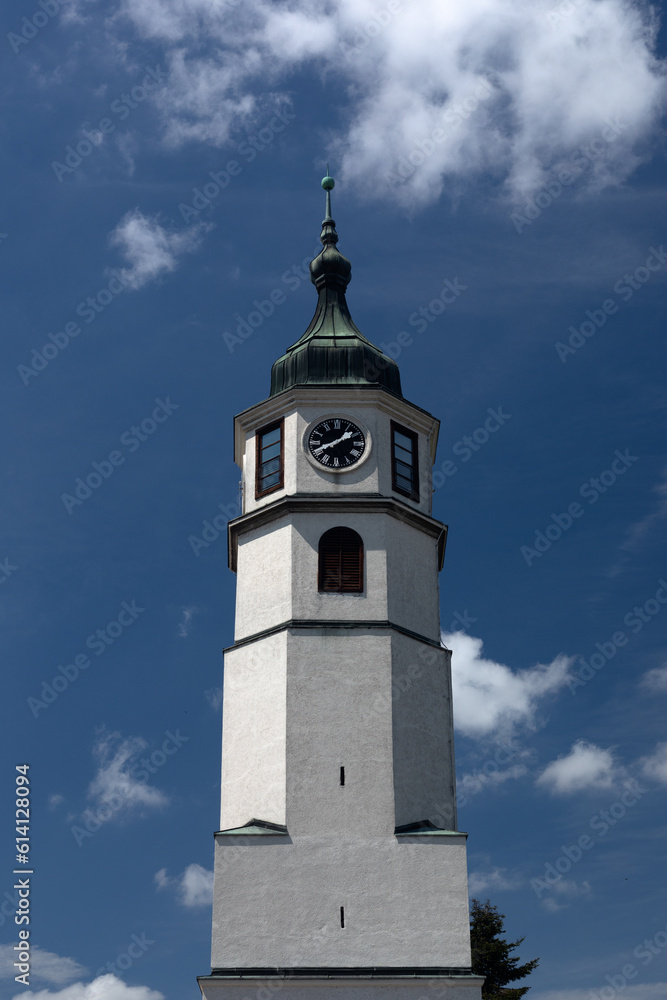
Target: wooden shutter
{"x":341,"y":561}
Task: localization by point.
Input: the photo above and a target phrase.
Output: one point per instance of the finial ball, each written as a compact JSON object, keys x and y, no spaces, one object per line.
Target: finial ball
{"x":328,"y":183}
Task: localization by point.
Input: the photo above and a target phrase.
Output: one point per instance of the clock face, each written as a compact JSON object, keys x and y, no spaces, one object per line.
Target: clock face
{"x":336,"y":443}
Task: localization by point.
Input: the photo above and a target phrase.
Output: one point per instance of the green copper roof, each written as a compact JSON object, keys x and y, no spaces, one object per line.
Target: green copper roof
{"x":423,"y":828}
{"x":333,"y":351}
{"x":255,"y":827}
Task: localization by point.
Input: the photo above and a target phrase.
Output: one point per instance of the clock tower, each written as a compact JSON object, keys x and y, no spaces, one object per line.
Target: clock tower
{"x":339,"y":868}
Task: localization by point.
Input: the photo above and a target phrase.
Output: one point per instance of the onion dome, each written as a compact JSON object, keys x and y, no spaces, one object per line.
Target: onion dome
{"x":333,"y":351}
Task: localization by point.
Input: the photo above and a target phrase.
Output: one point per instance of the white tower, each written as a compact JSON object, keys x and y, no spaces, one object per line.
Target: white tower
{"x":338,"y":866}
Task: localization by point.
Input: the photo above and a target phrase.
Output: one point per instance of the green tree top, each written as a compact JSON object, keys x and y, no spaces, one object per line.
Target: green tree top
{"x":491,"y":955}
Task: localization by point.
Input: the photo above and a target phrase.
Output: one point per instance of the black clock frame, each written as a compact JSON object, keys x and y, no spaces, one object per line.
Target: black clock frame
{"x":347,"y":454}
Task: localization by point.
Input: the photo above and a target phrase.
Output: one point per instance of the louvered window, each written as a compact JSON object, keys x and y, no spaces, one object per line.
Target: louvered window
{"x":341,"y":562}
{"x":269,"y":458}
{"x":404,"y":464}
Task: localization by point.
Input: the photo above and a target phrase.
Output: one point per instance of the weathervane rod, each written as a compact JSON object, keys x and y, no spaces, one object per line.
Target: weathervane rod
{"x":328,"y":183}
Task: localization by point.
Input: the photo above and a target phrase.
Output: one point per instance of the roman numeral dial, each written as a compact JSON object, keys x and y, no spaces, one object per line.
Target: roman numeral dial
{"x":336,"y":443}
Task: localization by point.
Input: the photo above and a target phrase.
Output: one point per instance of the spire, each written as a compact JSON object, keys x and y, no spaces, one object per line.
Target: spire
{"x":328,"y":234}
{"x":328,"y":183}
{"x":333,"y":351}
{"x":330,"y":267}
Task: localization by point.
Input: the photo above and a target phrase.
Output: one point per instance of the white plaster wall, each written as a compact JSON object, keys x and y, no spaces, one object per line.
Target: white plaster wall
{"x":426,"y":988}
{"x":264,"y":578}
{"x":279,"y":906}
{"x":412,"y":579}
{"x":378,"y":704}
{"x":254,"y":733}
{"x":300,"y":705}
{"x":423,"y":745}
{"x":277,"y":574}
{"x":333,"y":720}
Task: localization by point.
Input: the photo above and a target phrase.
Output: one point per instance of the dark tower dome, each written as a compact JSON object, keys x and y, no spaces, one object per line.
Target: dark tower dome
{"x":333,"y":351}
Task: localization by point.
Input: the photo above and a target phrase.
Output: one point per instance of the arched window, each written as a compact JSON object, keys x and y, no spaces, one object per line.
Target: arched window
{"x":341,"y":562}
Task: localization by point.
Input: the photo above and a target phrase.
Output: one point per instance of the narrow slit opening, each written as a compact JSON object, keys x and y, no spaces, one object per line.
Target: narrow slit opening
{"x":342,"y":916}
{"x":342,"y":775}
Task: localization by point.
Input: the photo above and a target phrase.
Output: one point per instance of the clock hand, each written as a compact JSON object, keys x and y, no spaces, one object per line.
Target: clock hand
{"x":331,"y":444}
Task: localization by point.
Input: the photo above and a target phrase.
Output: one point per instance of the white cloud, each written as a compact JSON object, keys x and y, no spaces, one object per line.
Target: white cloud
{"x":214,"y":697}
{"x":194,"y":886}
{"x":150,"y":249}
{"x":490,"y":697}
{"x":585,"y":767}
{"x":474,"y":782}
{"x":45,"y":965}
{"x":120,"y":780}
{"x":56,"y":800}
{"x":480,"y":882}
{"x":185,"y":623}
{"x":640,"y":991}
{"x":102,"y":988}
{"x":638,"y":532}
{"x":637,"y":535}
{"x":511,"y":774}
{"x":565,"y":892}
{"x":655,"y":766}
{"x":550,"y":86}
{"x":161,"y":879}
{"x":656,"y":679}
{"x":128,"y":145}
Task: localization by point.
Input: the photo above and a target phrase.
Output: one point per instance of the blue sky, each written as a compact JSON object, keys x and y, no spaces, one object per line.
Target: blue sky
{"x":500,"y":193}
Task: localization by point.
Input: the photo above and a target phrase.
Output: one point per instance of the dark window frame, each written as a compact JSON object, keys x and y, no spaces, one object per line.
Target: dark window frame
{"x":414,"y":437}
{"x":358,"y":587}
{"x":259,"y":492}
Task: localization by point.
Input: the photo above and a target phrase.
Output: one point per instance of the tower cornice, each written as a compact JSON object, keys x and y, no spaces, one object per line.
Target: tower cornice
{"x":331,"y":624}
{"x":388,"y":974}
{"x":332,"y":503}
